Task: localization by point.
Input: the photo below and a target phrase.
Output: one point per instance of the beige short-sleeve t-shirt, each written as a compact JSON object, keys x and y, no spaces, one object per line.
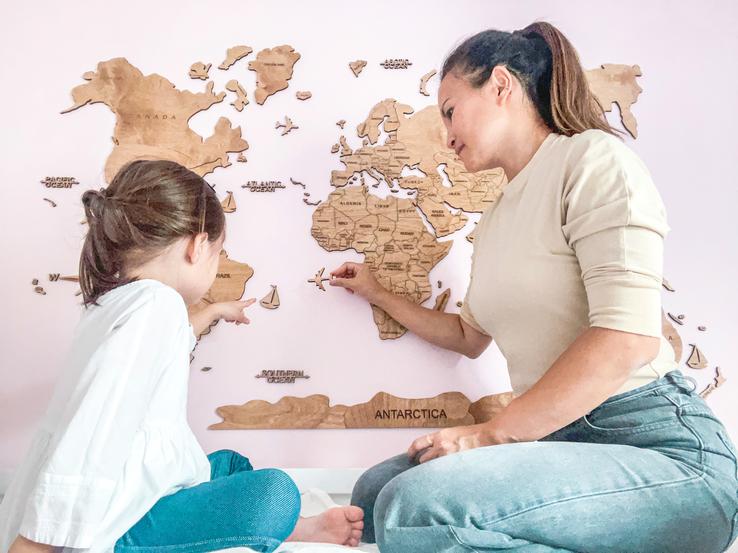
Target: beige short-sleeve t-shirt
{"x":575,"y":241}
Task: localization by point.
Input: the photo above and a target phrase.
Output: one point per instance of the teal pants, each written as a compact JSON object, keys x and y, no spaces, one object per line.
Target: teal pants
{"x":239,"y":507}
{"x":650,"y":470}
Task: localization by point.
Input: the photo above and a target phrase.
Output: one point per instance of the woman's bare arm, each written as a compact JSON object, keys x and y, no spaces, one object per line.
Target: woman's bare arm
{"x":446,"y":330}
{"x":591,"y":370}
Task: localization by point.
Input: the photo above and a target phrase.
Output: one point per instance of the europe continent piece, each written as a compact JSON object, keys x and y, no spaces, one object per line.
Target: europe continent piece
{"x":390,"y":232}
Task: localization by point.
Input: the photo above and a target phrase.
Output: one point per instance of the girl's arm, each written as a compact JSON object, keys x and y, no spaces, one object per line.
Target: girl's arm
{"x":23,"y":545}
{"x":446,"y":330}
{"x":231,"y":311}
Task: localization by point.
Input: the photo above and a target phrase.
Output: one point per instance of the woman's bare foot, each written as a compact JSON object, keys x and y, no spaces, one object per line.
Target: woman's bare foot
{"x":341,"y":525}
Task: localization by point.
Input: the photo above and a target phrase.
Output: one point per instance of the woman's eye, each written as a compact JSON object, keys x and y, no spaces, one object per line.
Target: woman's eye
{"x":449,"y":113}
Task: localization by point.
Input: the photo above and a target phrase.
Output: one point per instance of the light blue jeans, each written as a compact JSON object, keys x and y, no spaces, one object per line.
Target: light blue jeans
{"x":650,"y":470}
{"x":239,"y":507}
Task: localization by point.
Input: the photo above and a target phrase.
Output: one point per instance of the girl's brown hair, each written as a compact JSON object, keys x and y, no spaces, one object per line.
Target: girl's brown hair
{"x":148,"y":206}
{"x":546,"y":64}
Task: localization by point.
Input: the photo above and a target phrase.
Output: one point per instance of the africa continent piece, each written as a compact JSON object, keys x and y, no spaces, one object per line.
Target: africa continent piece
{"x":391,"y":234}
{"x":381,"y":411}
{"x":357,"y":67}
{"x":273,"y":69}
{"x":199,"y":70}
{"x":241,"y":100}
{"x":616,"y":84}
{"x":233,"y":55}
{"x":271,"y":300}
{"x":152,"y":119}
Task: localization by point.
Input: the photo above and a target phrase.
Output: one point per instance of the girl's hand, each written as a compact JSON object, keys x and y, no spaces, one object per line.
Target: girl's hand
{"x":452,"y":440}
{"x":357,"y":278}
{"x":233,"y":311}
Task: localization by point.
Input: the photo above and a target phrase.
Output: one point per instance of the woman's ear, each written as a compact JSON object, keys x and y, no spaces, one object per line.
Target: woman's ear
{"x":500,"y":82}
{"x":196,"y":247}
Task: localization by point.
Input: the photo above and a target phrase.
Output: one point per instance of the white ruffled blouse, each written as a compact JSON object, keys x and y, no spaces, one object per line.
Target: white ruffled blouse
{"x":115,"y":437}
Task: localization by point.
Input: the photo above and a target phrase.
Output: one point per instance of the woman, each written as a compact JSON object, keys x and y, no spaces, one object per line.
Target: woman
{"x":606,"y":446}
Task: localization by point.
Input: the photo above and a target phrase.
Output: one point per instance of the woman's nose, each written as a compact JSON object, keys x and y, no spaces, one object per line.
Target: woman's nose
{"x":451,"y":143}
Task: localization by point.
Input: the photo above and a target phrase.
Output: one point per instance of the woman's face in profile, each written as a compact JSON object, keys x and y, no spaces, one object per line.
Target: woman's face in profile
{"x":476,"y":121}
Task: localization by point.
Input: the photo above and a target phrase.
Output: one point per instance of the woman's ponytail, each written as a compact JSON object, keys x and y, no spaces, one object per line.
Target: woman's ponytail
{"x":574,"y":108}
{"x":548,"y":68}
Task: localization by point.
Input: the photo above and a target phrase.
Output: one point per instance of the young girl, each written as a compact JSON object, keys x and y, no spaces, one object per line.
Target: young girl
{"x":114,"y":465}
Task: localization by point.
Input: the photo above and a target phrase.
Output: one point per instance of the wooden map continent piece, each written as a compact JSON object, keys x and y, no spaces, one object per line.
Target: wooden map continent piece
{"x":391,"y":234}
{"x":424,"y":82}
{"x":152,"y":119}
{"x":230,"y":285}
{"x":717,"y":381}
{"x":233,"y":55}
{"x":357,"y":67}
{"x":671,"y":334}
{"x":382,"y":411}
{"x":274,"y":68}
{"x":241,"y":100}
{"x":199,"y":70}
{"x":616,"y":84}
{"x":442,"y":300}
{"x":303,"y":95}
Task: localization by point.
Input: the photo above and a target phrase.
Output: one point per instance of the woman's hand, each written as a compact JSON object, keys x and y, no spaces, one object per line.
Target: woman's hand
{"x":453,"y":440}
{"x":357,"y":278}
{"x":233,"y":311}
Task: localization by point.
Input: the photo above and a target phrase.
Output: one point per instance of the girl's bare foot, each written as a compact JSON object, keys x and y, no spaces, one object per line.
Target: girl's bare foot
{"x":341,"y":525}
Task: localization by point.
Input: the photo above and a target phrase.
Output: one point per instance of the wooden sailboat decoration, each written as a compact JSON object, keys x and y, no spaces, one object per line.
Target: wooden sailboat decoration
{"x":318,"y":280}
{"x":697,"y":359}
{"x":229,"y":204}
{"x":271,"y":300}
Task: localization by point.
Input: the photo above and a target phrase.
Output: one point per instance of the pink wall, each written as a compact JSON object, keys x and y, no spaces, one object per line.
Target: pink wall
{"x":686,"y":118}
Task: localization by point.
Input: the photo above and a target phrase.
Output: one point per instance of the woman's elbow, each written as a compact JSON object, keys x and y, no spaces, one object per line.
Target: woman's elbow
{"x":642,"y":350}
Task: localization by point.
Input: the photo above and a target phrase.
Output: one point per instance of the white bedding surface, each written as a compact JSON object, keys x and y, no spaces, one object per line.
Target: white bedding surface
{"x":298,"y":547}
{"x":314,"y":501}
